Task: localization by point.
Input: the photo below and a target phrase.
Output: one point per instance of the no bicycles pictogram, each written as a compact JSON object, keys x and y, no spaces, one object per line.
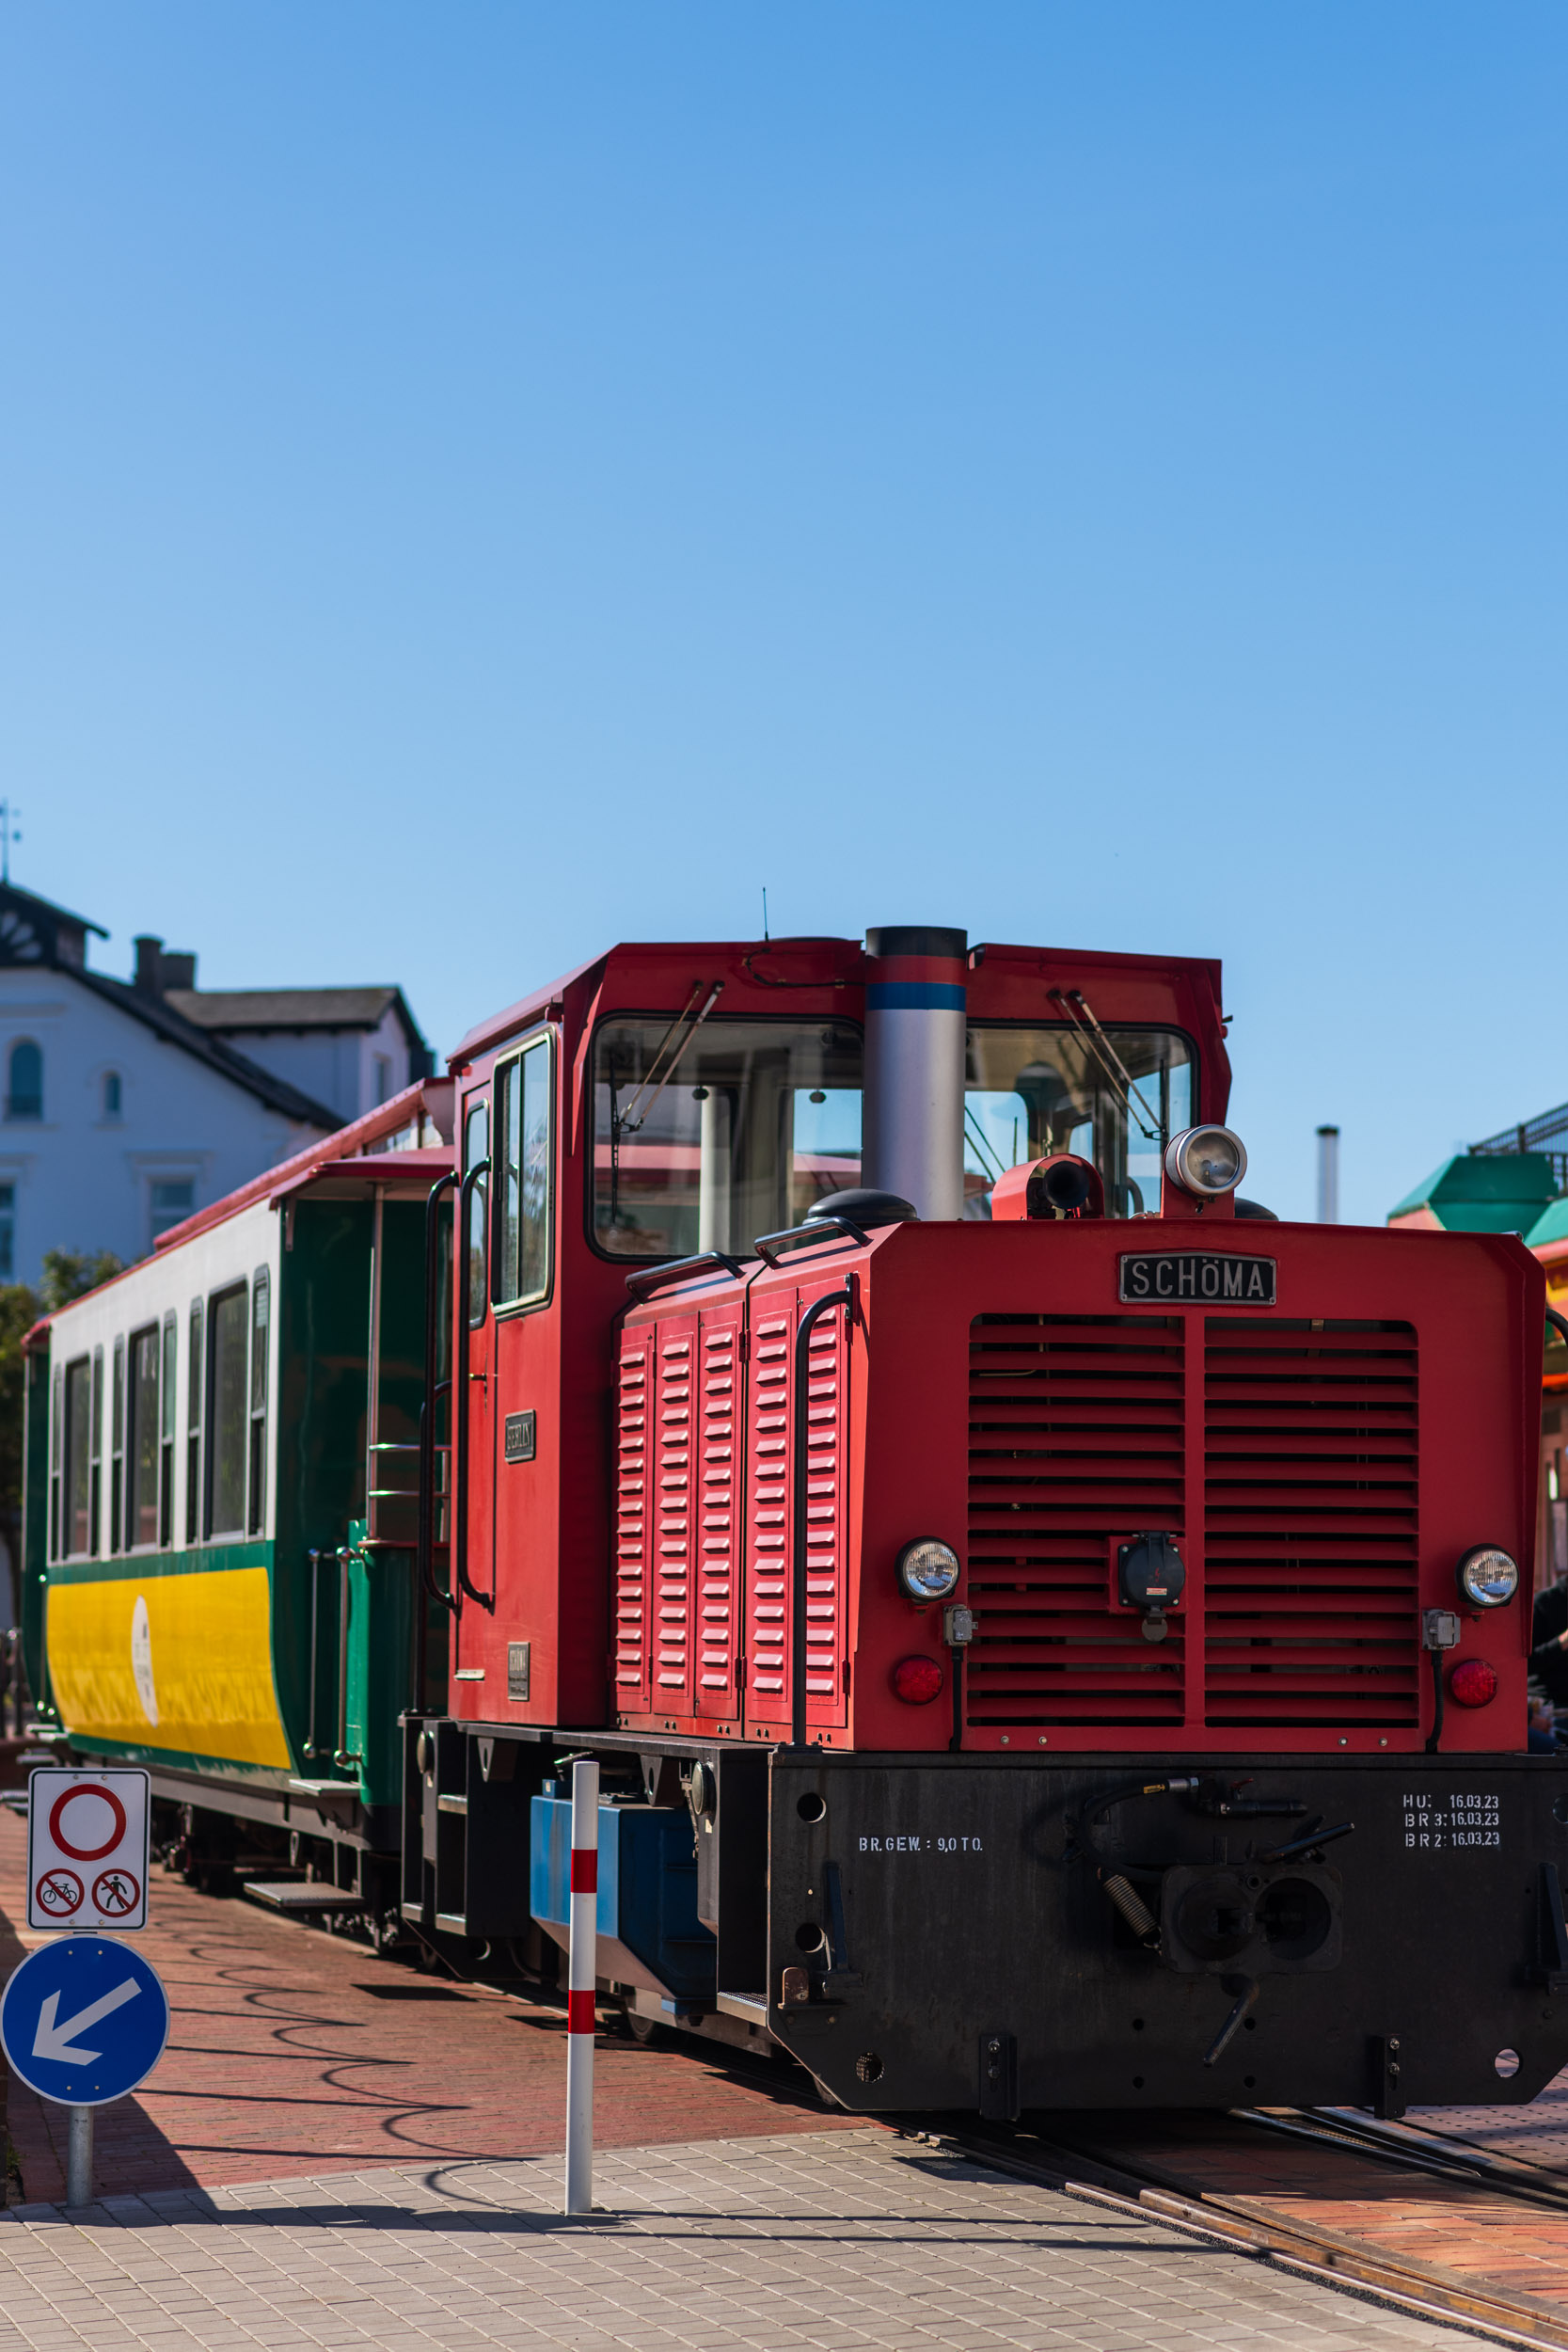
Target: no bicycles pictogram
{"x":58,"y":1893}
{"x":116,"y":1893}
{"x":88,"y":1829}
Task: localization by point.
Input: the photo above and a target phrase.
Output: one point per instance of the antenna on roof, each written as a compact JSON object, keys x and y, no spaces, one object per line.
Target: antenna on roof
{"x":10,"y":831}
{"x":763,"y":901}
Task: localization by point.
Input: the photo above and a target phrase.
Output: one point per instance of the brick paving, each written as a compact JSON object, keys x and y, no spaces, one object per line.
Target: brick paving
{"x":845,"y":2242}
{"x":294,"y":2052}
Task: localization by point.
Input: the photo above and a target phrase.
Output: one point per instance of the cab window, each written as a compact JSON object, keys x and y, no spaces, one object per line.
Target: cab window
{"x":475,"y":1144}
{"x":1115,"y":1100}
{"x":521,"y":1176}
{"x":706,"y":1135}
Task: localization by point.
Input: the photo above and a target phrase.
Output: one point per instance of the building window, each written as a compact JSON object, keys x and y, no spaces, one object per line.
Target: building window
{"x":383,"y":1079}
{"x":170,"y":1415}
{"x":173,"y":1198}
{"x":117,"y":1451}
{"x":259,"y":1333}
{"x":7,"y":1232}
{"x":142,"y":1513}
{"x":24,"y":1081}
{"x":226,"y":1396}
{"x":193,"y":1426}
{"x":113,"y":1094}
{"x":78,"y":1455}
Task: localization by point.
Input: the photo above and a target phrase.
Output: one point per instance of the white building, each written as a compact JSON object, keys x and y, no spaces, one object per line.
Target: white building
{"x":124,"y":1104}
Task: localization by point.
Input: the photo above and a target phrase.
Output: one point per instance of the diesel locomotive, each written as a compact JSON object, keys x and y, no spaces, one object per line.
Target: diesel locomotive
{"x":1053,"y":1634}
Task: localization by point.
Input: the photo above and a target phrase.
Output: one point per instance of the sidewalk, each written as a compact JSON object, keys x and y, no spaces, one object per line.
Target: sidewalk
{"x":293,"y":2052}
{"x":851,"y":2242}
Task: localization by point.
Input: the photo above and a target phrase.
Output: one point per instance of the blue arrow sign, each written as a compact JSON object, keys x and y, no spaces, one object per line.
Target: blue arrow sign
{"x":84,"y":2020}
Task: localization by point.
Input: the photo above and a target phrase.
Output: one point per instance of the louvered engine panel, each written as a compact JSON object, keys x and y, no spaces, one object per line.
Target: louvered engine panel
{"x":1076,"y":1437}
{"x":770,"y":1512}
{"x":826,"y":1431}
{"x":719,"y":1507}
{"x":630,"y":1640}
{"x":1311,"y":1607}
{"x":674,"y":1612}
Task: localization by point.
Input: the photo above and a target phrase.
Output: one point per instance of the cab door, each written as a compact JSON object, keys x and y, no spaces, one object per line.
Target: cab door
{"x":473,"y":1414}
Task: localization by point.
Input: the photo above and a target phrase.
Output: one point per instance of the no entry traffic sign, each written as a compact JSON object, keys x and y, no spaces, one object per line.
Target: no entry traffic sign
{"x":87,"y":1849}
{"x":84,"y":2020}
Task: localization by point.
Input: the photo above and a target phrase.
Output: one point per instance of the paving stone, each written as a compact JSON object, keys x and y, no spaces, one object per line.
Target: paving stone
{"x":836,"y":2242}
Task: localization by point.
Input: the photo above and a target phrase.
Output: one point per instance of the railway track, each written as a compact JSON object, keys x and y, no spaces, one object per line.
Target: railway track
{"x":1112,"y":2167}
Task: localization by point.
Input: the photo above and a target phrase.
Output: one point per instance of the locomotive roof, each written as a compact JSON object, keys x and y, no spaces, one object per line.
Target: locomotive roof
{"x":844,"y":963}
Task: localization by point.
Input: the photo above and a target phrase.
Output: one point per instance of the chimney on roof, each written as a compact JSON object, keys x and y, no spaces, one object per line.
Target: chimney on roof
{"x":158,"y":971}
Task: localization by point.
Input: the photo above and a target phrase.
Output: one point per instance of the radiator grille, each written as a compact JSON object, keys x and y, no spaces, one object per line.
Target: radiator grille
{"x":717,"y":1598}
{"x":1076,"y":1432}
{"x":1310,"y":1521}
{"x":1303,"y":1612}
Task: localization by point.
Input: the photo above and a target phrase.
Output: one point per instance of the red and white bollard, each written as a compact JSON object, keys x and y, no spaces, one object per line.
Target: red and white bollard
{"x":582,"y":1956}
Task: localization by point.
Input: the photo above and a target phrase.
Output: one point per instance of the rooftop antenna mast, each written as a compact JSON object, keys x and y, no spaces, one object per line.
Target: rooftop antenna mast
{"x":11,"y":829}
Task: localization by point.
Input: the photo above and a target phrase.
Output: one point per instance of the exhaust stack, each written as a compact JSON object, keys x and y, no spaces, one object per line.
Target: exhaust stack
{"x":914,"y":1065}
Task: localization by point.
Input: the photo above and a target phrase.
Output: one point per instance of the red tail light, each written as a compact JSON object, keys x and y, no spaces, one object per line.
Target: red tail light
{"x":1473,"y":1683}
{"x":917,"y":1680}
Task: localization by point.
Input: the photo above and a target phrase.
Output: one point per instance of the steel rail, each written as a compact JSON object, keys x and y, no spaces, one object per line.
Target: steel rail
{"x":1323,"y":2255}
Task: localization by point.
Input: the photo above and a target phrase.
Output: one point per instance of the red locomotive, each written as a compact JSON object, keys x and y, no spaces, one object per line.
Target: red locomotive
{"x":1053,"y":1634}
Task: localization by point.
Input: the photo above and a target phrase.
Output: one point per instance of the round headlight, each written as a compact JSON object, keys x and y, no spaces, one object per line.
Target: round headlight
{"x":1488,"y":1576}
{"x":928,"y":1570}
{"x":1207,"y":1161}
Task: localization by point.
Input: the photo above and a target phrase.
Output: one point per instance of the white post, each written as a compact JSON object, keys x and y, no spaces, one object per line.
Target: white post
{"x":78,"y":2160}
{"x":1328,"y":1175}
{"x":580,"y":1973}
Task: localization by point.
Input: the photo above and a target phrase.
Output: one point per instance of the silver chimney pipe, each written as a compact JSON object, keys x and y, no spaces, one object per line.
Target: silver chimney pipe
{"x":914,"y":1066}
{"x":1328,"y":1175}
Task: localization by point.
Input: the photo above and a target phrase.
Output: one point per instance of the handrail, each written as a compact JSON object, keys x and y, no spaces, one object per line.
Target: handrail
{"x":307,"y":1745}
{"x":803,"y":1329}
{"x":648,"y":1278}
{"x":459,"y":1505}
{"x":433,"y":1389}
{"x":1558,"y":1323}
{"x":772,"y":1246}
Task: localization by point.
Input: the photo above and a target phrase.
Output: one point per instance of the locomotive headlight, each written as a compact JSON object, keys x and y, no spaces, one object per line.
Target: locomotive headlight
{"x":1488,"y":1576}
{"x":1206,"y":1161}
{"x":928,"y":1570}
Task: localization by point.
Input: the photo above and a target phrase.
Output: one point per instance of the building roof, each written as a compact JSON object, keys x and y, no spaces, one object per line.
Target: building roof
{"x":1474,"y":1194}
{"x":1551,"y":1226}
{"x":157,"y":1014}
{"x":232,"y":1010}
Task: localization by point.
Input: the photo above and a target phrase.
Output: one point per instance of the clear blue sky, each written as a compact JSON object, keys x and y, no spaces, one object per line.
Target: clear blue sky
{"x":480,"y":482}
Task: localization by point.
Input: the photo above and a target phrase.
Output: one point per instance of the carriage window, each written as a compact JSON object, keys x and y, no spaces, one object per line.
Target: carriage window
{"x":228,"y":1393}
{"x":704,"y":1137}
{"x":522,"y":1176}
{"x":95,"y":1497}
{"x":56,"y":1462}
{"x":1032,"y":1091}
{"x":193,"y":1426}
{"x":476,"y":1143}
{"x":166,"y":1447}
{"x":259,"y":1321}
{"x":116,"y":1459}
{"x":78,"y":1455}
{"x":141,"y":1518}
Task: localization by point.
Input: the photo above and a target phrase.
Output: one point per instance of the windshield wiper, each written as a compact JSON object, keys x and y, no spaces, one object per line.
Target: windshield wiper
{"x":1081,"y":1014}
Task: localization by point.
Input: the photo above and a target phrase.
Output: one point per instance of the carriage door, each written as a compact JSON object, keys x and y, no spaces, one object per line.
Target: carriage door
{"x":473,"y":1406}
{"x":525,"y":1387}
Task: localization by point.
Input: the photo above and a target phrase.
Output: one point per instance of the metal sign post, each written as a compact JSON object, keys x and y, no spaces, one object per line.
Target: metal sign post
{"x":88,"y":1851}
{"x":582,"y":1971}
